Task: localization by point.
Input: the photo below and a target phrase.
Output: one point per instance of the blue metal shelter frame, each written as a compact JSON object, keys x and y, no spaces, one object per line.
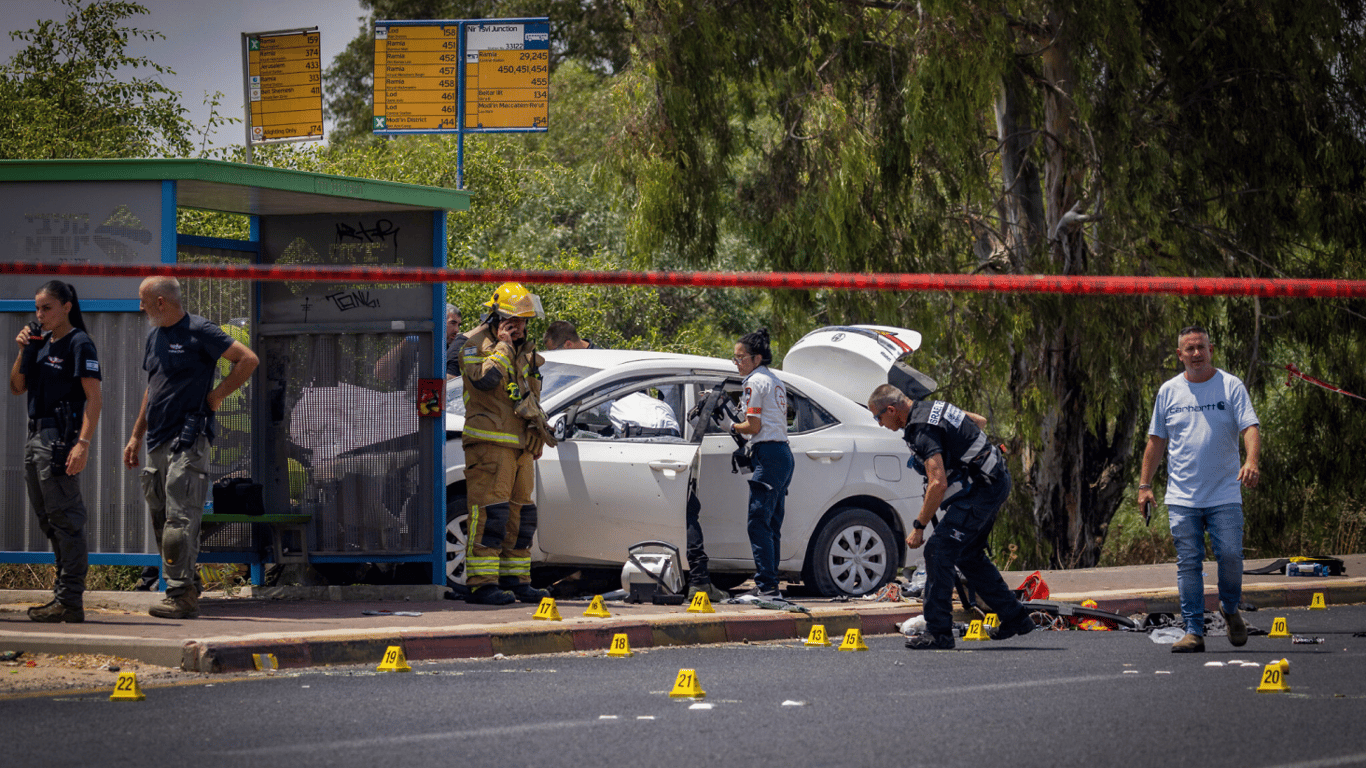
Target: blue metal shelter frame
{"x":258,"y":193}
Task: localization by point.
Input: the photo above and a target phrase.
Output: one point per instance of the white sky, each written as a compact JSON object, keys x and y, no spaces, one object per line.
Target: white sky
{"x":203,"y":42}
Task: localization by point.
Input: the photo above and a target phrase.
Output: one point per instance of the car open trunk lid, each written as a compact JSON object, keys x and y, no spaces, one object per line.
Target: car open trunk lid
{"x":854,"y":360}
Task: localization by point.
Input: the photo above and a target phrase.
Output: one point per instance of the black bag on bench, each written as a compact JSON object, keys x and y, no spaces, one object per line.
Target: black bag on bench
{"x":238,"y":496}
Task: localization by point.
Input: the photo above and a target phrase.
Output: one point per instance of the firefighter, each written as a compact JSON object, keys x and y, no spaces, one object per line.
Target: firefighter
{"x":505,"y":431}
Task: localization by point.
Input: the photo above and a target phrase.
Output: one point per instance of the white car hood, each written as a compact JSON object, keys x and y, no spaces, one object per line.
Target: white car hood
{"x":853,"y":360}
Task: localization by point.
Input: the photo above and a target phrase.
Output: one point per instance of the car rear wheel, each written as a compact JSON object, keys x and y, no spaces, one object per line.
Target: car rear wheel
{"x":457,"y":534}
{"x":854,"y":554}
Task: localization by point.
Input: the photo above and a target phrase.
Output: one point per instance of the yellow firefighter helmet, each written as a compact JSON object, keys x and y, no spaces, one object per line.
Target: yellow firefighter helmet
{"x":514,"y":300}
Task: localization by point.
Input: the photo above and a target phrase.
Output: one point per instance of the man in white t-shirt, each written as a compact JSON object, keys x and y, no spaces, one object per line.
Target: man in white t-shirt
{"x":1196,"y":421}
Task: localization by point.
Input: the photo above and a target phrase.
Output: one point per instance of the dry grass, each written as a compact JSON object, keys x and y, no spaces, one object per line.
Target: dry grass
{"x":217,"y":577}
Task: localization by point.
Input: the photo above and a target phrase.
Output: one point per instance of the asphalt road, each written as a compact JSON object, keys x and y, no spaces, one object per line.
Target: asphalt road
{"x":1051,"y":698}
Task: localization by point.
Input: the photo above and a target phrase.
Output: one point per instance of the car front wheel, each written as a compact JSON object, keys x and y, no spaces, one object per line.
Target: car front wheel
{"x":854,"y":554}
{"x":457,"y":534}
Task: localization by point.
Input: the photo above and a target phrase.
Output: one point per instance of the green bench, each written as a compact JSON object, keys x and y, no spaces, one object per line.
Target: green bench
{"x":279,"y":525}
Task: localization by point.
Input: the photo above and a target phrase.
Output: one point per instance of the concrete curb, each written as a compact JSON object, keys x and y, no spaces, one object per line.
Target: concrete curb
{"x":524,"y":639}
{"x":471,"y":635}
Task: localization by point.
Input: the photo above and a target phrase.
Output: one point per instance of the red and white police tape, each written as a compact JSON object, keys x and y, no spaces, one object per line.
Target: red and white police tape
{"x":1295,"y":372}
{"x":1082,"y":285}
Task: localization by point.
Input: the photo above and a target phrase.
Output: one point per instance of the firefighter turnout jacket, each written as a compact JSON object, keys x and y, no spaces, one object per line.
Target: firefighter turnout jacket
{"x":497,"y":379}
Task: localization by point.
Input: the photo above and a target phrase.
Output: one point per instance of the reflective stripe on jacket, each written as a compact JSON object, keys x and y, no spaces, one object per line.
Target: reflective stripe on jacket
{"x":496,"y":378}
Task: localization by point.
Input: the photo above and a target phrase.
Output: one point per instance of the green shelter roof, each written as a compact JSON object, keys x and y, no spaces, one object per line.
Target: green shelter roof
{"x":215,"y":185}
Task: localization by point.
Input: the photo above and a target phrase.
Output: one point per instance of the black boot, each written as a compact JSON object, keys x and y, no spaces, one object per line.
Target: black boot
{"x":490,"y":594}
{"x":527,"y":593}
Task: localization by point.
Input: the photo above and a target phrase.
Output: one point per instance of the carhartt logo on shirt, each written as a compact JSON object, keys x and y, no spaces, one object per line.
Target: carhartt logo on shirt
{"x":1221,"y":405}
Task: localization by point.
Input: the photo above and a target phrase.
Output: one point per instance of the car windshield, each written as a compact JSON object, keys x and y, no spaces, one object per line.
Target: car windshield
{"x":553,"y":376}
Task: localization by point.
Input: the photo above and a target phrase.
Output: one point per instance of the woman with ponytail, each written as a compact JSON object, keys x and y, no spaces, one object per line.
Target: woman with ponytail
{"x":58,"y":368}
{"x":764,"y":404}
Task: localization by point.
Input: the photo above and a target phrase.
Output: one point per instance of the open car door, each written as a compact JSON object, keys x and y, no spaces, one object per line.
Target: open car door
{"x":619,"y":475}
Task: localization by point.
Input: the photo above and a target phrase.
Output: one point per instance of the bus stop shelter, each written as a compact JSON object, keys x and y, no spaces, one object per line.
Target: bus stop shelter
{"x":329,"y":425}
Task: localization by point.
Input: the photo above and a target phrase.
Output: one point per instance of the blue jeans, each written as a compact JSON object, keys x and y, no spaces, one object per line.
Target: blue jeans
{"x":1224,"y":524}
{"x":767,"y":490}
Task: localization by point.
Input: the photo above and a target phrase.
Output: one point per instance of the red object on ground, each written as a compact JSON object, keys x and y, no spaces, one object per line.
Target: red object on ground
{"x":1033,"y":587}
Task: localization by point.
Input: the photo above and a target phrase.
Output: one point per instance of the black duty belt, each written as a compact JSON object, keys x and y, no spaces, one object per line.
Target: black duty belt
{"x":45,"y":423}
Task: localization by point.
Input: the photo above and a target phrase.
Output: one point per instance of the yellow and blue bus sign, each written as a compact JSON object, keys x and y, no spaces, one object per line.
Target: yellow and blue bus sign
{"x":283,"y":72}
{"x":461,"y":76}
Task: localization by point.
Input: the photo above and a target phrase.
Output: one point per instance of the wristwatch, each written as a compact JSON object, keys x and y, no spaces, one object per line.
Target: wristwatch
{"x":919,"y":526}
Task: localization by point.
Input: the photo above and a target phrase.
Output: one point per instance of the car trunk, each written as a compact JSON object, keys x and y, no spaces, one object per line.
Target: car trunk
{"x":854,"y":360}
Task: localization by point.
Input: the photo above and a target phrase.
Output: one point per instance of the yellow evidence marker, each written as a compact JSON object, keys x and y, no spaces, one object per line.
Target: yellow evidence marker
{"x":265,"y":662}
{"x":992,"y":620}
{"x":1273,"y":677}
{"x":126,"y":688}
{"x":596,"y":609}
{"x":700,"y":604}
{"x":817,"y":636}
{"x":621,"y":646}
{"x":976,"y":632}
{"x":1317,"y":604}
{"x":547,"y":611}
{"x":394,"y":661}
{"x":1279,"y":628}
{"x":853,"y":641}
{"x":686,"y":686}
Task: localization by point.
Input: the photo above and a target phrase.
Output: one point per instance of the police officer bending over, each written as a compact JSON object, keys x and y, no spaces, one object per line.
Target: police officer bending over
{"x":966,"y":475}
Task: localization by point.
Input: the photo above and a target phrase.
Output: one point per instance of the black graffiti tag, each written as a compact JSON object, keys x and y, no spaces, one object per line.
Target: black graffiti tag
{"x":346,"y":301}
{"x":383,"y":231}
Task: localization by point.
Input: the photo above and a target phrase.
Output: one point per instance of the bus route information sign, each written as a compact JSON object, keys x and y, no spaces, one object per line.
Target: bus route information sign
{"x":458,"y":76}
{"x":284,"y":85}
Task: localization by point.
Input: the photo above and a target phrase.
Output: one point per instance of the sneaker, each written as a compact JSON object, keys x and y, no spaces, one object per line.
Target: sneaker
{"x":184,"y":606}
{"x":528,"y":594}
{"x":1191,"y":644}
{"x":767,"y":594}
{"x":490,"y":594}
{"x":54,"y":612}
{"x":924,"y":641}
{"x":1237,"y":628}
{"x":1022,"y":626}
{"x":713,"y":594}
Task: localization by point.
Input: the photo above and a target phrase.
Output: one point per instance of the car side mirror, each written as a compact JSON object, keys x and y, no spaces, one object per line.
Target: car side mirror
{"x":561,"y":430}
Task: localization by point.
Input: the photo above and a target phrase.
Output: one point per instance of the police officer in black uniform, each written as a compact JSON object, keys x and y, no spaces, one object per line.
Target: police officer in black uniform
{"x":967,"y":476}
{"x":58,"y":367}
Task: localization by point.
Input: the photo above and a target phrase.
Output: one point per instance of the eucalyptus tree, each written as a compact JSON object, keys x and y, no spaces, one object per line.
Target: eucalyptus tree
{"x":1107,"y":137}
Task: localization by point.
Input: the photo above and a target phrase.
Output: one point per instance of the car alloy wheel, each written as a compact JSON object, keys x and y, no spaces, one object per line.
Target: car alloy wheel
{"x":457,"y":535}
{"x":855,"y":553}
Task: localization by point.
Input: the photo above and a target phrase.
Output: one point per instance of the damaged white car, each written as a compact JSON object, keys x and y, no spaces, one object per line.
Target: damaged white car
{"x":606,"y":487}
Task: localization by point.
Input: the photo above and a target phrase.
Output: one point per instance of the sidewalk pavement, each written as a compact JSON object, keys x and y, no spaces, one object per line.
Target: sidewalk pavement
{"x":306,"y":627}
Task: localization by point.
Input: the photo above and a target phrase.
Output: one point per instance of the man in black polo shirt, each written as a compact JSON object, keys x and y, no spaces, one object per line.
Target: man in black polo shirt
{"x":177,"y":420}
{"x":967,"y":476}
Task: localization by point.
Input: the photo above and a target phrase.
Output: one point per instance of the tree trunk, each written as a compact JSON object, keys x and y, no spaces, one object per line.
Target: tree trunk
{"x":1075,"y":476}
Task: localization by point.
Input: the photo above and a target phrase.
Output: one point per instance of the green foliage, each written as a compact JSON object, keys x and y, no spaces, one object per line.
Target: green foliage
{"x":1035,"y":137}
{"x":67,"y":94}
